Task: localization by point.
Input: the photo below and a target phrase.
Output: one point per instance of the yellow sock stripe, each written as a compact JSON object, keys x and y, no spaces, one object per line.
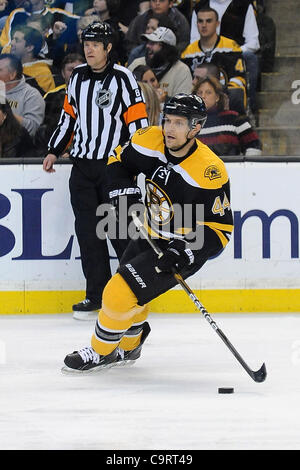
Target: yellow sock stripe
{"x":130,"y":342}
{"x":102,"y":347}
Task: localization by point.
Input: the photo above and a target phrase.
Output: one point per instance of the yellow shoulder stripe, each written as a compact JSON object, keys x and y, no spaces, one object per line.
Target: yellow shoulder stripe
{"x":206,"y":168}
{"x":147,"y":136}
{"x":192,"y":48}
{"x":229,"y":43}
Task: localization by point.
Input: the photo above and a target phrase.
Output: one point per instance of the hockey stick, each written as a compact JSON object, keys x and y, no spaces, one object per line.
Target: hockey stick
{"x":259,"y":375}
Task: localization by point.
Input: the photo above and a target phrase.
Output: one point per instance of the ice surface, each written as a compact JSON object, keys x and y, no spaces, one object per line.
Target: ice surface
{"x":167,"y":400}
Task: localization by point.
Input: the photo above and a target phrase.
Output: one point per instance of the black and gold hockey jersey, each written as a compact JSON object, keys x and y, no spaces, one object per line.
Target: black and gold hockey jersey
{"x":45,"y":20}
{"x":226,"y":55}
{"x":197,"y":186}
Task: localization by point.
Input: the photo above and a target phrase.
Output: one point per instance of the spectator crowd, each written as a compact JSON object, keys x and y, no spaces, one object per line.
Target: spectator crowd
{"x":207,"y":47}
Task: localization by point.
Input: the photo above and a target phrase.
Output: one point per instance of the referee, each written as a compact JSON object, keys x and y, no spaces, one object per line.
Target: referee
{"x":103,"y":107}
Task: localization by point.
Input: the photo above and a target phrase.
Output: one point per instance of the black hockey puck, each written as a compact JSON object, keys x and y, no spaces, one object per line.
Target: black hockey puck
{"x":225,"y":390}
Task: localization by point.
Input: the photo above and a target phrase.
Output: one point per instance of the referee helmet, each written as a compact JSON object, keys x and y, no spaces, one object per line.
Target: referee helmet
{"x":98,"y":31}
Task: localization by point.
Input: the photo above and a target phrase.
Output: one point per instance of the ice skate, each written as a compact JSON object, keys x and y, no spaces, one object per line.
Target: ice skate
{"x":87,"y":361}
{"x":86,"y":310}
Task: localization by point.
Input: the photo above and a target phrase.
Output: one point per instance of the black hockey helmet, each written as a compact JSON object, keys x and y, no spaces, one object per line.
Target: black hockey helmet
{"x":190,"y":106}
{"x":98,"y":31}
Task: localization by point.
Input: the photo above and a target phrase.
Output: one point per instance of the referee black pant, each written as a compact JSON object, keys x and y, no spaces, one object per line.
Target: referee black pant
{"x":88,"y":190}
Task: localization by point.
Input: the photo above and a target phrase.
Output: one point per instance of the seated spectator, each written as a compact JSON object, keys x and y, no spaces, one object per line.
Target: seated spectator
{"x":144,"y":74}
{"x":25,"y":101}
{"x":162,"y":57}
{"x":26,"y":44}
{"x":4,"y":12}
{"x":54,"y":100}
{"x":100,"y":8}
{"x":15,"y":142}
{"x":205,"y":70}
{"x":162,"y":7}
{"x":152,"y":104}
{"x":58,"y":27}
{"x":107,"y":10}
{"x":219,"y":50}
{"x":153,"y":23}
{"x":237,"y":22}
{"x":69,"y":63}
{"x":235,"y":95}
{"x":225,"y":131}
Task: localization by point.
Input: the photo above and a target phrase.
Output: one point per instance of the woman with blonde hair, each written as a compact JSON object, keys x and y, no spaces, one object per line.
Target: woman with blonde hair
{"x":226,"y":132}
{"x":152,"y":104}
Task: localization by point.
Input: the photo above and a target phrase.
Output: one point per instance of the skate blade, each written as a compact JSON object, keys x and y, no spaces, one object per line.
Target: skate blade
{"x":95,"y":370}
{"x":125,"y":363}
{"x":84,"y":316}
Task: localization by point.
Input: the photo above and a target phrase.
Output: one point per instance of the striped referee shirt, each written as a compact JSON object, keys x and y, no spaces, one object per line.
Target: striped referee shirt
{"x":100,"y":111}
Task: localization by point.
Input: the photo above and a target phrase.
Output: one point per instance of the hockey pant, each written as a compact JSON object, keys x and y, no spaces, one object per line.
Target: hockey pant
{"x":127,"y":295}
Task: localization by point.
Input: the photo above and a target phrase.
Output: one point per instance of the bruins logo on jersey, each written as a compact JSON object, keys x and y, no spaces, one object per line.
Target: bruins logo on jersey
{"x":158,"y":203}
{"x":212,"y":172}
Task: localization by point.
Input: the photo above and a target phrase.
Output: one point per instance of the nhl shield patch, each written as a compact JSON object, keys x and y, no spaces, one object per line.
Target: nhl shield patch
{"x":103,"y":98}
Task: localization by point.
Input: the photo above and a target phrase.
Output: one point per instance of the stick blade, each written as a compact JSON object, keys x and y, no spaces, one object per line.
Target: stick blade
{"x":260,"y":375}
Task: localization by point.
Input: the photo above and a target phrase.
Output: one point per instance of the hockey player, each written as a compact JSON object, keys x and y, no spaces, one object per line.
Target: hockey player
{"x":182,"y":174}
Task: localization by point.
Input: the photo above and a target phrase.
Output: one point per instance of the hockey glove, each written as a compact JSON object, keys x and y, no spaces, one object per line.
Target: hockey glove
{"x":123,"y":199}
{"x":176,"y":257}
